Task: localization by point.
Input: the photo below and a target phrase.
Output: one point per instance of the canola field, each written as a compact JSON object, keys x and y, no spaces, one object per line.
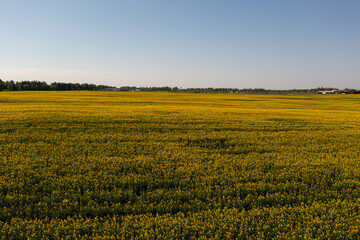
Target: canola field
{"x":135,"y":165}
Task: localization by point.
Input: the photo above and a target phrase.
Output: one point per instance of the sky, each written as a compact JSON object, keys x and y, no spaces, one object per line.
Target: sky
{"x":277,"y":44}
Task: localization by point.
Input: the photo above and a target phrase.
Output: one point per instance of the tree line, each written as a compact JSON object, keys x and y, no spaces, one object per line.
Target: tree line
{"x":231,"y":90}
{"x":43,"y":86}
{"x":59,"y":86}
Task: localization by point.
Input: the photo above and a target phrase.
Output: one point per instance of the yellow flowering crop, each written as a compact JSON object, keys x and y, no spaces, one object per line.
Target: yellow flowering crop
{"x":134,"y":165}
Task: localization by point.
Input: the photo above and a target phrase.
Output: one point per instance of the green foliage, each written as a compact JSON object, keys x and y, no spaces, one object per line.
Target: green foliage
{"x":123,"y":165}
{"x":43,"y":86}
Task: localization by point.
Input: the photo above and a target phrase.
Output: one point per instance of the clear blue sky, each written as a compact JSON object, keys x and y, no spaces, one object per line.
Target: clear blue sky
{"x":277,"y":44}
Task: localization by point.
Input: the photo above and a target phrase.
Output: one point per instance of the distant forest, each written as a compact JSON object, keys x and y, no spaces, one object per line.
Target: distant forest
{"x":58,"y":86}
{"x":43,"y":86}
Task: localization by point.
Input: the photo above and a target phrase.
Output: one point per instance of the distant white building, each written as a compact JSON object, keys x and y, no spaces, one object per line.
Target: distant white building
{"x":334,"y":92}
{"x":327,"y":92}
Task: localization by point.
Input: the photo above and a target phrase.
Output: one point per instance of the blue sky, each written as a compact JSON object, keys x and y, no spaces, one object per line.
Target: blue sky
{"x":278,"y":44}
